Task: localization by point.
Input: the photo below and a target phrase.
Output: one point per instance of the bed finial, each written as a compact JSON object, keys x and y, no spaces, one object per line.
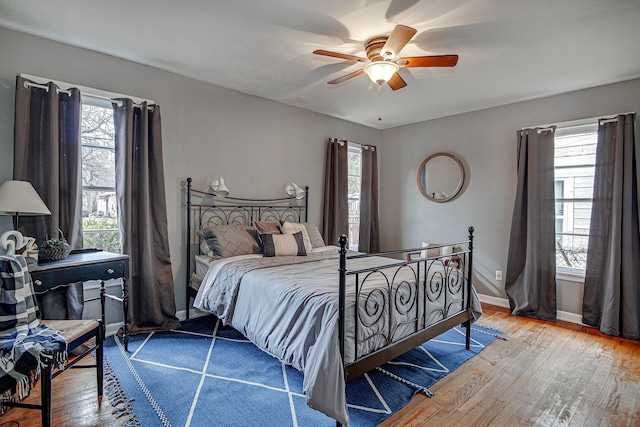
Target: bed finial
{"x":306,"y":203}
{"x":471,"y":230}
{"x":342,"y":241}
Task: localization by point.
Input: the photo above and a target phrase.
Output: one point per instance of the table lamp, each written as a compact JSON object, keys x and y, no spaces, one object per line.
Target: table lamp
{"x":19,"y":198}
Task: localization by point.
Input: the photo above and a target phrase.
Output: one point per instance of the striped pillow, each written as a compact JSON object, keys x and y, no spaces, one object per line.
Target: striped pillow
{"x":283,"y":245}
{"x":292,"y":227}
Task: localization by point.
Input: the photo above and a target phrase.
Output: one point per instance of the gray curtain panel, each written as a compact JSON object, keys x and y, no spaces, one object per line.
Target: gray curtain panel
{"x":612,"y":283}
{"x":335,"y":221}
{"x":531,"y":264}
{"x":142,"y":216}
{"x":47,"y":153}
{"x":369,"y":233}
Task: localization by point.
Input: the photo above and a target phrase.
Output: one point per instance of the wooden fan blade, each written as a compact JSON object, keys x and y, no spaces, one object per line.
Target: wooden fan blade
{"x":396,"y":82}
{"x":398,"y":38}
{"x":340,"y":55}
{"x":429,"y":61}
{"x":345,"y":78}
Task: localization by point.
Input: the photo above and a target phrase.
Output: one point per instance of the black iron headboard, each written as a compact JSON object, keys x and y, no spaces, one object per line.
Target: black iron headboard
{"x":205,"y":209}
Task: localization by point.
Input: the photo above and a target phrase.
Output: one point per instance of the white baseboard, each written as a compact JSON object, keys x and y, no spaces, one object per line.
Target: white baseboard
{"x":488,"y":299}
{"x":503,"y":302}
{"x":112,"y":328}
{"x":193,"y":313}
{"x":570,"y":317}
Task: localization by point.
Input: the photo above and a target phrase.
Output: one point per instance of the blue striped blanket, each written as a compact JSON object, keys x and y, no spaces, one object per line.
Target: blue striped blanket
{"x":25,"y":344}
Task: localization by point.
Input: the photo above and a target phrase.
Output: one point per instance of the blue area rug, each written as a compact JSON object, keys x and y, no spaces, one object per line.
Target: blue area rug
{"x":206,"y":374}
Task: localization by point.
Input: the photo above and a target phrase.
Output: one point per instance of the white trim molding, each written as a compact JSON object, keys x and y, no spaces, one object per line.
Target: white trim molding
{"x":503,"y":302}
{"x":193,"y":313}
{"x":112,"y":328}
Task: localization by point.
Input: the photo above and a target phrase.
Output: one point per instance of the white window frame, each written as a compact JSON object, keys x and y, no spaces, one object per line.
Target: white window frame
{"x":572,"y":128}
{"x":354,"y":148}
{"x":100,"y":103}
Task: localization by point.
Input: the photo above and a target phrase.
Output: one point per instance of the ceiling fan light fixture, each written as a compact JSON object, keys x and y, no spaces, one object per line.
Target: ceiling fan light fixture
{"x":381,"y":71}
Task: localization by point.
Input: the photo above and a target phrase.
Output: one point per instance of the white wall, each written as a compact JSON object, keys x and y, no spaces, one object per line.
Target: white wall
{"x":257,"y":145}
{"x":485,"y":142}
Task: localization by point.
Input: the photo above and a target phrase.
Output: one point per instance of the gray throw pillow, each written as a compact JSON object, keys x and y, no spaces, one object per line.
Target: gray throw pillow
{"x":229,"y":240}
{"x":314,"y":235}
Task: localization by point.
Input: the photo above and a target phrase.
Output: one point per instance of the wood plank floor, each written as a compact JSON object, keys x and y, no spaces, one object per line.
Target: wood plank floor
{"x":547,"y":374}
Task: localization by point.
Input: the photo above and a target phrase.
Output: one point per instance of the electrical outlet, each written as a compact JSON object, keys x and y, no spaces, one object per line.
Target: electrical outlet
{"x":499,"y":275}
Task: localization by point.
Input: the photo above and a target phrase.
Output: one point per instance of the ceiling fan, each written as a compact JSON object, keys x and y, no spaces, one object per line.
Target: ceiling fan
{"x":382,"y":65}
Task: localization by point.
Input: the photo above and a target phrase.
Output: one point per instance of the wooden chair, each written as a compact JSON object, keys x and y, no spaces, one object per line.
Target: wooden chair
{"x":76,"y":333}
{"x":20,"y":308}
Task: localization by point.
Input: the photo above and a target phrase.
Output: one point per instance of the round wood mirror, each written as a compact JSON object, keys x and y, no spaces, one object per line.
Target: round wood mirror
{"x":440,"y":177}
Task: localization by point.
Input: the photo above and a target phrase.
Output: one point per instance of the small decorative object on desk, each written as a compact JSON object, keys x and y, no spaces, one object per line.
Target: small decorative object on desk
{"x":54,"y":249}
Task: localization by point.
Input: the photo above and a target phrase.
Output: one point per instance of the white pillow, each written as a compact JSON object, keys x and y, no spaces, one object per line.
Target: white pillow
{"x":292,"y":228}
{"x":434,"y":252}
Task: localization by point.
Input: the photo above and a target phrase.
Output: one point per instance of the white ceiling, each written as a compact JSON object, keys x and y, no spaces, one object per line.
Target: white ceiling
{"x":509,"y":50}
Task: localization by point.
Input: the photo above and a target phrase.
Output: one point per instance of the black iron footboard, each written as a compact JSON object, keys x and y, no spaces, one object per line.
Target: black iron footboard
{"x":424,"y":297}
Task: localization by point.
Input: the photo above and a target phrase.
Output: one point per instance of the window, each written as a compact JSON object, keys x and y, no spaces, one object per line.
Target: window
{"x":575,"y":153}
{"x":99,"y":205}
{"x":354,"y":168}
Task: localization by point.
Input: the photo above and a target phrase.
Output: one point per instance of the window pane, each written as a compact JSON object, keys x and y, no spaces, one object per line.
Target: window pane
{"x":98,"y":167}
{"x":97,"y":126}
{"x":105,"y":240}
{"x":354,"y":223}
{"x":96,"y":203}
{"x":98,"y":147}
{"x":354,"y":162}
{"x":354,"y":186}
{"x":100,"y":220}
{"x":559,"y":192}
{"x":572,"y":239}
{"x":99,"y":205}
{"x":574,"y":173}
{"x":353,"y":172}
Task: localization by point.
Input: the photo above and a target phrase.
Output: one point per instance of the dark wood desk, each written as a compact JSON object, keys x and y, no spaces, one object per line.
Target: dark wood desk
{"x":85,"y":266}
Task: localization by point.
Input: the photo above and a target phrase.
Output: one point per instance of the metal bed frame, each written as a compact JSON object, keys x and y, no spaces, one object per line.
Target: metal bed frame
{"x":442,"y":286}
{"x":210,"y":209}
{"x":449,"y":288}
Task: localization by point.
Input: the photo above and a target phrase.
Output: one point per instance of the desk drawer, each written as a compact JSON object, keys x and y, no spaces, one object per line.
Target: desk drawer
{"x":47,"y":279}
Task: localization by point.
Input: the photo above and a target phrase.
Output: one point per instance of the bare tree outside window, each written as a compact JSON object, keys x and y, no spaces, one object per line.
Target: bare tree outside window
{"x":99,"y":205}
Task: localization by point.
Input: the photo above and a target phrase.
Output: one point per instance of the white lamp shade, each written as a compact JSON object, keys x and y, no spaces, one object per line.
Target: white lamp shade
{"x":294,"y":191}
{"x":20,"y":198}
{"x":219,"y":187}
{"x":381,"y":71}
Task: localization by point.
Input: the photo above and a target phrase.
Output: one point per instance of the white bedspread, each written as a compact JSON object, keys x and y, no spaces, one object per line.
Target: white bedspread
{"x":288,"y":306}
